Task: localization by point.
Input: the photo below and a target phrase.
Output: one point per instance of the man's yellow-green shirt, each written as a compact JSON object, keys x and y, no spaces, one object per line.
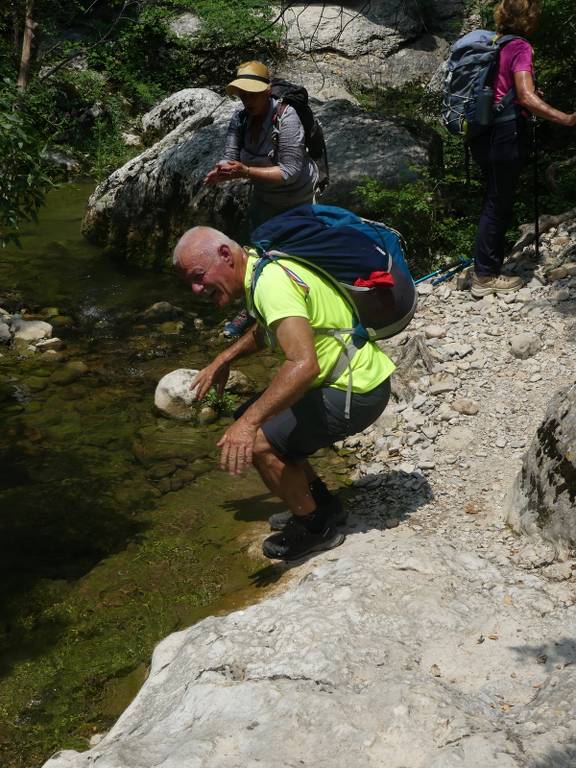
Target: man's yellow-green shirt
{"x":278,"y":296}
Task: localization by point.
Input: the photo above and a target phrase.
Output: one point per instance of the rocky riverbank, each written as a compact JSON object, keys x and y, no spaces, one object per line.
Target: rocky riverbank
{"x":434,"y":636}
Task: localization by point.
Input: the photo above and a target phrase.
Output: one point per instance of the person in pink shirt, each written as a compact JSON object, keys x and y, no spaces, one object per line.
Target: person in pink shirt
{"x":503,"y":149}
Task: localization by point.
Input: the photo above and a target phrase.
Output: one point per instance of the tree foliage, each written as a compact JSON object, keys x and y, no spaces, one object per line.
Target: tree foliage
{"x":23,"y":181}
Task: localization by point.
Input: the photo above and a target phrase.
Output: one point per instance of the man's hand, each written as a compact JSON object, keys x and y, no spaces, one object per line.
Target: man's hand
{"x":214,"y":375}
{"x":237,"y":446}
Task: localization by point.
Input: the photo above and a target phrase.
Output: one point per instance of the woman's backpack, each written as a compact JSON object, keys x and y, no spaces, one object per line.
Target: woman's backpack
{"x":296,"y":96}
{"x":471,"y":69}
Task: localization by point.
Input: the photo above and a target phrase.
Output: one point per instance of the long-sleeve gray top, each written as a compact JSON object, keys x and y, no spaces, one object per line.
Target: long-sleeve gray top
{"x":299,"y":172}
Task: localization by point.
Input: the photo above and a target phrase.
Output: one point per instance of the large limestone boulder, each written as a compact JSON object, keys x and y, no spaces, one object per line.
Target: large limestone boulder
{"x":368,"y":45}
{"x":542,"y":502}
{"x":139,"y":211}
{"x":142,"y":208}
{"x":175,"y":109}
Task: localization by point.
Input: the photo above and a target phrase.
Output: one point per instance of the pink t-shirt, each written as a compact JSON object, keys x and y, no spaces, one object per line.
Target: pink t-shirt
{"x":516,"y":56}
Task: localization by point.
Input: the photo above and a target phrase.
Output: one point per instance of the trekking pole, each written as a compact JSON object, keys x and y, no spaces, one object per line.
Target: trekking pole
{"x":456,"y":266}
{"x":451,"y":272}
{"x":535,"y":184}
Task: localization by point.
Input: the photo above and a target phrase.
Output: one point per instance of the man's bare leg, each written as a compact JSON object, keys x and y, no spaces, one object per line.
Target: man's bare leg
{"x":286,"y":479}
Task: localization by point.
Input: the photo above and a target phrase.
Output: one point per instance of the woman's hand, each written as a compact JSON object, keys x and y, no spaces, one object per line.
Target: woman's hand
{"x":214,"y":375}
{"x":232,"y":169}
{"x":226,"y":170}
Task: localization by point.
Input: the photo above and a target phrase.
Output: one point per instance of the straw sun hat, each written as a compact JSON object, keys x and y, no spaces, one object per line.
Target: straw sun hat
{"x":251,"y":76}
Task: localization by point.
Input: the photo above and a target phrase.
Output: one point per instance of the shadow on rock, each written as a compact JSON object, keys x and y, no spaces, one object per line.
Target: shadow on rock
{"x":559,"y":757}
{"x":561,"y":652}
{"x":384,"y":500}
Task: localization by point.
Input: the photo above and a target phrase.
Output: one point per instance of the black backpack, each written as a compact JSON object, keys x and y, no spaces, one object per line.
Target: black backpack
{"x":296,"y":96}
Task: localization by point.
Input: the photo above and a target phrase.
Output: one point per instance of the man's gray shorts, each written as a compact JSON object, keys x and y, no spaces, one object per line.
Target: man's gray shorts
{"x":317,"y":420}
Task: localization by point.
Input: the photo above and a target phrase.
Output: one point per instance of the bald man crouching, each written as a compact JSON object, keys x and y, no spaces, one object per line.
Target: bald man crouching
{"x":299,"y":412}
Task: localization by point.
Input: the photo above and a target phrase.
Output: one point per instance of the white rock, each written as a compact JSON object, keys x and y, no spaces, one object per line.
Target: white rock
{"x":31,"y":330}
{"x":174,"y":396}
{"x":5,"y":334}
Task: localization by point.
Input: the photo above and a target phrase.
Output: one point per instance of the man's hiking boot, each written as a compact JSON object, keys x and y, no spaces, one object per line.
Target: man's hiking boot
{"x":297,"y":541}
{"x":335,"y":511}
{"x":236,"y":327}
{"x":483,"y":285}
{"x":337,"y":515}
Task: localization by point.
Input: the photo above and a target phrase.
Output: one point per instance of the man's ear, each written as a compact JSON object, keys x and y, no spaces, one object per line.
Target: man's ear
{"x":225,"y":254}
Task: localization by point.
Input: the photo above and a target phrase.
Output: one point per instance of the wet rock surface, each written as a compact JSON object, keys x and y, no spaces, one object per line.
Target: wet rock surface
{"x":434,"y":636}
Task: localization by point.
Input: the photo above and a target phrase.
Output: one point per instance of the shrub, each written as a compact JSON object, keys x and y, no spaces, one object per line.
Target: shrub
{"x":23,"y":181}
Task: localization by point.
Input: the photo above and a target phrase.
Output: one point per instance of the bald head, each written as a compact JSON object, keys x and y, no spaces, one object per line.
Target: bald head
{"x":212,"y":264}
{"x":200,"y":244}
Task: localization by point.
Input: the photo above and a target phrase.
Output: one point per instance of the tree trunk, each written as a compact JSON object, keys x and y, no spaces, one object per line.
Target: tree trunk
{"x":15,"y":30}
{"x":542,"y":502}
{"x":26,"y":60}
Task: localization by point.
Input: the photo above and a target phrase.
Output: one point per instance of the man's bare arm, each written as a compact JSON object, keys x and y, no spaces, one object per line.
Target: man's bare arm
{"x":290,"y":382}
{"x":217,"y":372}
{"x":295,"y":375}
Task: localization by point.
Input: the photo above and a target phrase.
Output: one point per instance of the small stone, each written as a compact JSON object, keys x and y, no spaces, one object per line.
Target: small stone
{"x":457,"y":440}
{"x":500,"y":442}
{"x":419,"y":400}
{"x":435,"y":331}
{"x":525,"y":345}
{"x":430,"y":431}
{"x":465,"y":406}
{"x":50,"y":344}
{"x":563,"y":294}
{"x":424,"y":289}
{"x":442,"y":383}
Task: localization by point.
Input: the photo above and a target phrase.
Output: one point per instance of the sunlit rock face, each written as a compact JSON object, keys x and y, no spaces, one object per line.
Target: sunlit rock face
{"x":542,"y":502}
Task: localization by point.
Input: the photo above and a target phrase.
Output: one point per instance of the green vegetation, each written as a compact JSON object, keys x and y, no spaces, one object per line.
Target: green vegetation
{"x":24,"y":180}
{"x":93,"y":68}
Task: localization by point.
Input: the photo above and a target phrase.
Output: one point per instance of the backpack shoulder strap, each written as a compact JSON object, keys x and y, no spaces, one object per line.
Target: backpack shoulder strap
{"x":242,"y":123}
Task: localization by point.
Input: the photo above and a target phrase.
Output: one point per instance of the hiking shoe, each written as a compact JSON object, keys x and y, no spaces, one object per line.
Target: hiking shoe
{"x":336,"y":515}
{"x":483,"y":285}
{"x":296,"y":541}
{"x":238,"y":325}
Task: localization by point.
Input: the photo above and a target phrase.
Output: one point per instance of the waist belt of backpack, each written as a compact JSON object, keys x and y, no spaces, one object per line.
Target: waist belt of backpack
{"x":359,"y":336}
{"x":506,"y":110}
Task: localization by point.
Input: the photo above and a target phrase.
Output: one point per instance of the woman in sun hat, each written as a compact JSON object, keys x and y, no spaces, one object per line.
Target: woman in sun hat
{"x":267,"y":150}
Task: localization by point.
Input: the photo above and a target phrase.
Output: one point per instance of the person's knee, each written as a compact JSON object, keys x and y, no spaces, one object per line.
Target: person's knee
{"x":262,"y":452}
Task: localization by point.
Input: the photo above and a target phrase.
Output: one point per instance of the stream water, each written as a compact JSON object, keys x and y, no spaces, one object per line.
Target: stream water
{"x":116,"y":527}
